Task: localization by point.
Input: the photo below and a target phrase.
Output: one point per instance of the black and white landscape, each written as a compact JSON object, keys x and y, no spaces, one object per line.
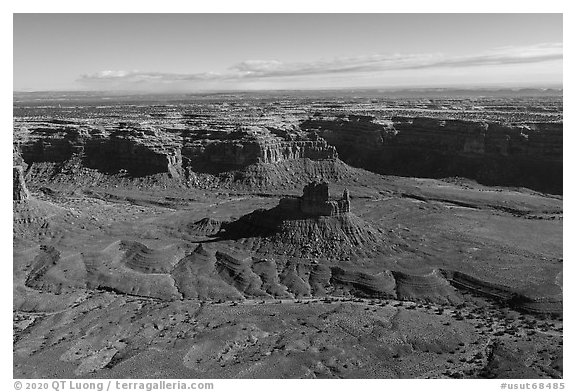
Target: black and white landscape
{"x":325,"y":199}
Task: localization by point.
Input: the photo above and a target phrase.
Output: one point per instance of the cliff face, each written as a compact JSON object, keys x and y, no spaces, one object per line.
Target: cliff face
{"x":133,"y":153}
{"x":136,"y":150}
{"x":449,"y":136}
{"x":219,"y":151}
{"x":315,"y":202}
{"x":127,"y":150}
{"x":20,"y":191}
{"x":528,"y":155}
{"x":346,"y":132}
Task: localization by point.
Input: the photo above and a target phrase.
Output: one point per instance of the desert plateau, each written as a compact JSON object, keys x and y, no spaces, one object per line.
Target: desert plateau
{"x":288,"y":234}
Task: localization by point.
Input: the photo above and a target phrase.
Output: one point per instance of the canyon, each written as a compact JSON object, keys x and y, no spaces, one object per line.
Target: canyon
{"x":287,"y":236}
{"x":190,"y":149}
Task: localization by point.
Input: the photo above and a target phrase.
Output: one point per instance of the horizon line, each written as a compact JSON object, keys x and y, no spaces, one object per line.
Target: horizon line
{"x":546,"y":86}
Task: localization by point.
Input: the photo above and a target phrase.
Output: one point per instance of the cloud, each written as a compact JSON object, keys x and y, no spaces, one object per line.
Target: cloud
{"x":372,"y":64}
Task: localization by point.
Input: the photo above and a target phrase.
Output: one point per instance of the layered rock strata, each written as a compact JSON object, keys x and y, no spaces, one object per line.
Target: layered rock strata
{"x":20,"y":191}
{"x":310,"y":225}
{"x":527,"y":155}
{"x":315,"y":201}
{"x":171,"y":273}
{"x":136,"y":150}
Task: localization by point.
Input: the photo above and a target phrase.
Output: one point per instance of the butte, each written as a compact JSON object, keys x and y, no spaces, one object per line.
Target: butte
{"x":312,"y":225}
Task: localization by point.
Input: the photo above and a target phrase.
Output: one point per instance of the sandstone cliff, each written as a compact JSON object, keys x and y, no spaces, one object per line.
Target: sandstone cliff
{"x":20,"y":191}
{"x":527,"y":155}
{"x":86,"y":153}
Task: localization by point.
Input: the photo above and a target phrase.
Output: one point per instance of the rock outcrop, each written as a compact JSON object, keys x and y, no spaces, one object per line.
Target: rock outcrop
{"x":20,"y":191}
{"x":221,"y":151}
{"x":78,"y":151}
{"x":315,"y":201}
{"x":171,"y":274}
{"x":310,"y":225}
{"x":526,"y":155}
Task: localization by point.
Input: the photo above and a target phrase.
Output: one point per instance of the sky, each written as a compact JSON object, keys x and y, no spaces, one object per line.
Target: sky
{"x":200,"y":52}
